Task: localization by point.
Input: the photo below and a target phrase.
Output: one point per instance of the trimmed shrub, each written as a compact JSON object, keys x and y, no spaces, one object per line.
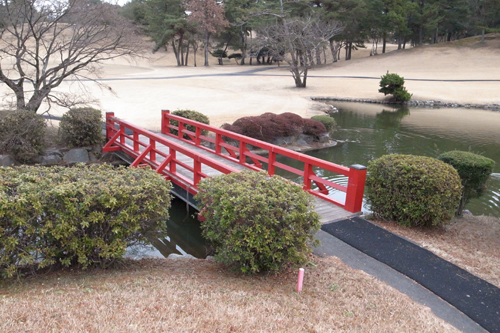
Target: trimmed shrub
{"x":473,"y":170}
{"x":257,"y":222}
{"x":393,"y":84}
{"x":314,"y":127}
{"x":192,"y":115}
{"x":412,"y":190}
{"x":22,"y":134}
{"x":327,"y":121}
{"x":83,"y":215}
{"x":81,"y":127}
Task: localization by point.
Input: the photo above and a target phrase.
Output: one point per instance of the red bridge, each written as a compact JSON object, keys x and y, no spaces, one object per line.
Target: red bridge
{"x":189,"y":156}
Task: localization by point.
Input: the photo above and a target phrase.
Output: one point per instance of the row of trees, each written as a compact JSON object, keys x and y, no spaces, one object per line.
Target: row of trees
{"x":44,"y":42}
{"x":231,"y":23}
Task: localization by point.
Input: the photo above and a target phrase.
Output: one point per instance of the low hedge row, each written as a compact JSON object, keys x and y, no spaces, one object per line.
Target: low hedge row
{"x":84,"y":215}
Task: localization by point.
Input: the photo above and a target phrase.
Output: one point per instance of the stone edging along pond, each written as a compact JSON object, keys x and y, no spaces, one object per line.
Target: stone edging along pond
{"x":414,"y":103}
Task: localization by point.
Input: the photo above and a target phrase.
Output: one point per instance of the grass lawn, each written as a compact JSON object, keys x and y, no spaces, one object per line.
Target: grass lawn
{"x":190,"y":295}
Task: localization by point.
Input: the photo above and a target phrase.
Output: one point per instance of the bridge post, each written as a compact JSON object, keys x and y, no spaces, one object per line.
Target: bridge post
{"x":355,"y":188}
{"x":110,"y":125}
{"x":165,"y":121}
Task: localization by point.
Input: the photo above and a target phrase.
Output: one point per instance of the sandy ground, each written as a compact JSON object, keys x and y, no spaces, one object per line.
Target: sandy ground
{"x":138,"y":89}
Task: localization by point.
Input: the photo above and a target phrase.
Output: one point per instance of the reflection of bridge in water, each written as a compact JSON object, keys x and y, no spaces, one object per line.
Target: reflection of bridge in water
{"x":191,"y":155}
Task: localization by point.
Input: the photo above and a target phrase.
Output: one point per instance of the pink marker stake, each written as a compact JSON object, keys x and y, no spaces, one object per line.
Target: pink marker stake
{"x":300,"y":280}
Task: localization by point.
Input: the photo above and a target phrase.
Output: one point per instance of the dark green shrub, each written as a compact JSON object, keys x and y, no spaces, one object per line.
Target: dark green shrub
{"x":81,"y":127}
{"x":473,"y":170}
{"x":22,"y":134}
{"x":257,"y":222}
{"x":412,"y":190}
{"x":314,"y":127}
{"x":327,"y":121}
{"x":192,"y":115}
{"x":84,"y":215}
{"x":393,"y":84}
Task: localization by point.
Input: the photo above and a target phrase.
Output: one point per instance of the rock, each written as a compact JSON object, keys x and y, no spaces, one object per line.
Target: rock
{"x":78,"y":155}
{"x":50,"y":159}
{"x":92,"y":157}
{"x":180,"y":256}
{"x":301,"y":142}
{"x":324,"y":138}
{"x":307,"y":138}
{"x":6,"y":161}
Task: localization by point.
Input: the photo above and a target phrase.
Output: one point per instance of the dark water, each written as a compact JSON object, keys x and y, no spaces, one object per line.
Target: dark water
{"x":183,"y":236}
{"x":370,"y":131}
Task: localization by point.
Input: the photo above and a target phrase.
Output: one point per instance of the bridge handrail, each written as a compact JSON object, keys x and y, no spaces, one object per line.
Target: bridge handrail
{"x":148,"y":155}
{"x":238,"y":153}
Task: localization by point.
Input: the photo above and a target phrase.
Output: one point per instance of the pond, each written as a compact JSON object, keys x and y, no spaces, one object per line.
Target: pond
{"x":368,"y":131}
{"x":373,"y":130}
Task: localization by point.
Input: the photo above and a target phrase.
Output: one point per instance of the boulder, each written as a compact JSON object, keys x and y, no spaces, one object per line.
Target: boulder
{"x":6,"y":160}
{"x":78,"y":155}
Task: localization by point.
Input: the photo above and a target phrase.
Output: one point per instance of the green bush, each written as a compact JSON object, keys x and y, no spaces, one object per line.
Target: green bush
{"x":473,"y":170}
{"x":192,"y":115}
{"x":257,"y":222}
{"x":393,"y":84}
{"x":83,"y":215}
{"x":22,"y":134}
{"x":327,"y":121}
{"x":81,"y":127}
{"x":412,"y":190}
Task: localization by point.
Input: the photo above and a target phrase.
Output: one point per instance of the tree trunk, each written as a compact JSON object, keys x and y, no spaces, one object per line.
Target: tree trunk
{"x":176,"y":53}
{"x":482,"y":35}
{"x":187,"y":54}
{"x":384,"y":42}
{"x":181,"y":49}
{"x":207,"y":40}
{"x":333,"y":51}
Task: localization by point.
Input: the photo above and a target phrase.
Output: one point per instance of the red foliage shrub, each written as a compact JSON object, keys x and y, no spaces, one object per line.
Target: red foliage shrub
{"x":313,"y":127}
{"x":268,"y":126}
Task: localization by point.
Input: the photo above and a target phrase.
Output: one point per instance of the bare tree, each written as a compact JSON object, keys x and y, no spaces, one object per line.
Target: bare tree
{"x":44,"y":42}
{"x":295,"y":40}
{"x":209,"y":15}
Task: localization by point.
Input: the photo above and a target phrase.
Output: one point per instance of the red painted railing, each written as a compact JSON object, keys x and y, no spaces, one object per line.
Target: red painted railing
{"x":235,"y":147}
{"x":147,"y":153}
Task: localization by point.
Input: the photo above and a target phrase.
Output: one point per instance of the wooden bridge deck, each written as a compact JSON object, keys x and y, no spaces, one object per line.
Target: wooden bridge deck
{"x":186,"y":161}
{"x":328,"y":211}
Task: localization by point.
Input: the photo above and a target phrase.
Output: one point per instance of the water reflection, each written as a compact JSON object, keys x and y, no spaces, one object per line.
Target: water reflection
{"x":183,"y":236}
{"x":370,"y":131}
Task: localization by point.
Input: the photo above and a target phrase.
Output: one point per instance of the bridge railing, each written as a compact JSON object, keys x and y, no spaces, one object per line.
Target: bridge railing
{"x":123,"y":136}
{"x":236,"y":148}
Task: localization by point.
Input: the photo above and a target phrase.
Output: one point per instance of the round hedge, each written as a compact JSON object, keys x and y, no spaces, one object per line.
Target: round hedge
{"x":473,"y":170}
{"x":192,"y":115}
{"x":328,"y":121}
{"x":412,"y":190}
{"x":22,"y":134}
{"x":81,"y":127}
{"x":257,"y":222}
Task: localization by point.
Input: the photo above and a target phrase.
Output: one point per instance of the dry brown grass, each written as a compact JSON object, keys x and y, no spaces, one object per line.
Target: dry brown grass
{"x":200,"y":296}
{"x":471,"y":242}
